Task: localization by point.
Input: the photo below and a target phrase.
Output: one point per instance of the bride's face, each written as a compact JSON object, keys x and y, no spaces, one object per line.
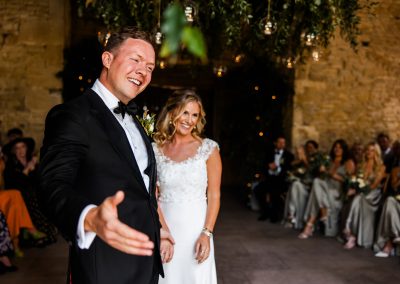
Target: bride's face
{"x":188,"y":119}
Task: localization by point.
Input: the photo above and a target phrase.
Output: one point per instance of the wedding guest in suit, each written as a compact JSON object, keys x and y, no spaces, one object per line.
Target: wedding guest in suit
{"x":383,"y":140}
{"x":324,"y":201}
{"x":270,"y":192}
{"x":301,"y":178}
{"x":98,"y":171}
{"x":367,"y":191}
{"x":388,"y":232}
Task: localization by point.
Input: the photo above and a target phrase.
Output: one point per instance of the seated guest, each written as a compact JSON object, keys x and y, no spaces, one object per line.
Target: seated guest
{"x":301,"y":179}
{"x":324,"y":200}
{"x":21,"y":173}
{"x":357,"y":156}
{"x":366,"y":188}
{"x":269,"y":193}
{"x":388,"y":232}
{"x":383,"y":141}
{"x":13,"y":134}
{"x":6,"y":247}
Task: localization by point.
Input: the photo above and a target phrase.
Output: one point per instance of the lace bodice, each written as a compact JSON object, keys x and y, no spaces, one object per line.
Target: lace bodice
{"x":185,"y":180}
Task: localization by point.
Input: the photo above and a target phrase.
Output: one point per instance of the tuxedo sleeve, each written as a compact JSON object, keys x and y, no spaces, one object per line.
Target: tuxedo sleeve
{"x":65,"y":145}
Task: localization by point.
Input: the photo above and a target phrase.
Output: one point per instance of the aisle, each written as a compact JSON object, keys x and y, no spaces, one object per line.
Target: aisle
{"x":247,"y":252}
{"x":253,"y":252}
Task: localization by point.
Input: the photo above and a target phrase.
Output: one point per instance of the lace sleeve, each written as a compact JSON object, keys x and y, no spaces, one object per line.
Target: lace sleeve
{"x":207,"y":148}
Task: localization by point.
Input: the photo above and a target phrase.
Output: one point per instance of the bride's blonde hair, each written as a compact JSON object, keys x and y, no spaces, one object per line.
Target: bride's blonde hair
{"x":173,"y":109}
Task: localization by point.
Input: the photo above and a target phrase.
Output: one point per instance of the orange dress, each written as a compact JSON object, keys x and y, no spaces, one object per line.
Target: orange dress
{"x":15,"y":211}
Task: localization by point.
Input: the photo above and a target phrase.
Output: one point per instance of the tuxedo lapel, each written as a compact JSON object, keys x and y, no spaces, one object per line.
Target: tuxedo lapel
{"x":115,"y":133}
{"x":150,"y":170}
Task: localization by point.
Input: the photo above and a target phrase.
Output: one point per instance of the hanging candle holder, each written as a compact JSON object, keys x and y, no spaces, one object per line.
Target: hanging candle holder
{"x":220,"y":70}
{"x":310,"y":39}
{"x":190,"y":9}
{"x":290,"y":62}
{"x":158,"y":36}
{"x":268,"y":26}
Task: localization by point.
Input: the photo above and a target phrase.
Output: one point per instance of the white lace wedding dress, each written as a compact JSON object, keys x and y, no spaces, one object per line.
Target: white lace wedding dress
{"x":182,"y":198}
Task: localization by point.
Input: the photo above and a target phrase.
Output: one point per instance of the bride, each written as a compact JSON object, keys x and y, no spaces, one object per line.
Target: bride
{"x":189,"y":176}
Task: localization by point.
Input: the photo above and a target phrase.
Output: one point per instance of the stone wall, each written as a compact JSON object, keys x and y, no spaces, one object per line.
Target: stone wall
{"x":352,"y":95}
{"x":32,"y":39}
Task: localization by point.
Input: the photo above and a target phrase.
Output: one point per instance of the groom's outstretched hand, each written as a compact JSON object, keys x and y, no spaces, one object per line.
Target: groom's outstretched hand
{"x":103,"y":220}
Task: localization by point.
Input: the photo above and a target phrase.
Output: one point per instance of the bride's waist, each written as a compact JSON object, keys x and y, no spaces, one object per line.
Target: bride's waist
{"x":182,"y":199}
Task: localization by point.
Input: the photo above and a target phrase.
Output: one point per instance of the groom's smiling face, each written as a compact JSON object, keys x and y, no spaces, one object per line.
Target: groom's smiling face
{"x":128,"y":69}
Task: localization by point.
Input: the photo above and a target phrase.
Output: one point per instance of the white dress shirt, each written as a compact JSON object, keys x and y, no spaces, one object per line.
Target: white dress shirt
{"x":138,"y":147}
{"x":277,"y":161}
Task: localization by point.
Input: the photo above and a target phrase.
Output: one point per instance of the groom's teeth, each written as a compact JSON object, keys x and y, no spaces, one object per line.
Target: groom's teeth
{"x":136,"y":82}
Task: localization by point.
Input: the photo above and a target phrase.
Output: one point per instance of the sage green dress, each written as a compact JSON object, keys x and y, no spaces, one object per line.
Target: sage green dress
{"x":296,"y":202}
{"x":389,"y":223}
{"x":326,"y":193}
{"x":361,"y":219}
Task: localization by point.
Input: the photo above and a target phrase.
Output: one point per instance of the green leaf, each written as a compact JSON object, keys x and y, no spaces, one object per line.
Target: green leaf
{"x":193,"y":39}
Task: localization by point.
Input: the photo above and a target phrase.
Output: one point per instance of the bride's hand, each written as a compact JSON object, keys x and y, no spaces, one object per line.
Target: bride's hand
{"x":166,"y":245}
{"x":202,"y":248}
{"x":166,"y":250}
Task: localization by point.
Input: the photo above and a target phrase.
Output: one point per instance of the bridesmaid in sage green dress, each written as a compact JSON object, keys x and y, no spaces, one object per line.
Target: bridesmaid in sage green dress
{"x":361,"y":219}
{"x":325,"y":201}
{"x":299,"y":189}
{"x":388,"y":232}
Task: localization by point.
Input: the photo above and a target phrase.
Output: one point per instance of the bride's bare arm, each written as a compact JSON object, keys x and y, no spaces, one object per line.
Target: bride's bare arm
{"x":214,"y":171}
{"x":167,"y":241}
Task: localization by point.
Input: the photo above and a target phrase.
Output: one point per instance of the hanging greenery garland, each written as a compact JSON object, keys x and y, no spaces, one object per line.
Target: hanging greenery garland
{"x":289,"y":31}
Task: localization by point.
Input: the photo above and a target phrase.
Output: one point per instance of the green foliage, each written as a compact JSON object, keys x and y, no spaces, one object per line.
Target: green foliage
{"x":238,"y":25}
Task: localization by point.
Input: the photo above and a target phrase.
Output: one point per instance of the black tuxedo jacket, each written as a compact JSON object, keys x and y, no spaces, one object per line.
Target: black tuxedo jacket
{"x":285,"y":162}
{"x":85,"y":158}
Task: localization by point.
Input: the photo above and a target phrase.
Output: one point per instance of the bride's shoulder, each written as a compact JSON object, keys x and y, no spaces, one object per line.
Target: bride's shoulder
{"x":156,"y":148}
{"x":207,"y":147}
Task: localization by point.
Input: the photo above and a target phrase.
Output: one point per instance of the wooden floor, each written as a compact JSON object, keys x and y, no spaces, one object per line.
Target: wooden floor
{"x":247,"y":251}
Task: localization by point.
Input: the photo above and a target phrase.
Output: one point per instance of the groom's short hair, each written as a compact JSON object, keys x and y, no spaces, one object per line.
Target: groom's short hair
{"x":118,"y":37}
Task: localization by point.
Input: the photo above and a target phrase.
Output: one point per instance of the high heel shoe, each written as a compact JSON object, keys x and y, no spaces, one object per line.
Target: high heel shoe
{"x":351,"y":242}
{"x":307,"y":232}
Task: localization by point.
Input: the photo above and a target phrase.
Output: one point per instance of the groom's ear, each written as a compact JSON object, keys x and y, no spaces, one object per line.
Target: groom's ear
{"x":107,"y":58}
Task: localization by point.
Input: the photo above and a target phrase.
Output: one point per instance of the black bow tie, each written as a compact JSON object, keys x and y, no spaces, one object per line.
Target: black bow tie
{"x":131,"y":108}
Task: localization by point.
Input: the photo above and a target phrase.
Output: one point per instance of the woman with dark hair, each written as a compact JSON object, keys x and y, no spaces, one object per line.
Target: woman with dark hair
{"x":189,"y":176}
{"x":21,"y":173}
{"x":326,"y":190}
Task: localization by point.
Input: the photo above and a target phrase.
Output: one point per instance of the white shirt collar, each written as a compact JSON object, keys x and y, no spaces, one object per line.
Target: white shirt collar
{"x":108,"y":98}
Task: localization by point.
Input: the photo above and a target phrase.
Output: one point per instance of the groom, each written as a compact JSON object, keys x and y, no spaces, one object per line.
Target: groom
{"x":98,"y":172}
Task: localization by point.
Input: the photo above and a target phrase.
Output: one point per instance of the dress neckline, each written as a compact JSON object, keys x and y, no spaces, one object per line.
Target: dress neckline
{"x":184,"y":160}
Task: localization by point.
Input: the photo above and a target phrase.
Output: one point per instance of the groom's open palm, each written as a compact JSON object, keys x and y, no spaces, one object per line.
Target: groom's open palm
{"x":103,"y":220}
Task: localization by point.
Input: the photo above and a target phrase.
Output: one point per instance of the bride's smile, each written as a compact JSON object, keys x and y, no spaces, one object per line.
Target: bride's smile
{"x":188,"y":119}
